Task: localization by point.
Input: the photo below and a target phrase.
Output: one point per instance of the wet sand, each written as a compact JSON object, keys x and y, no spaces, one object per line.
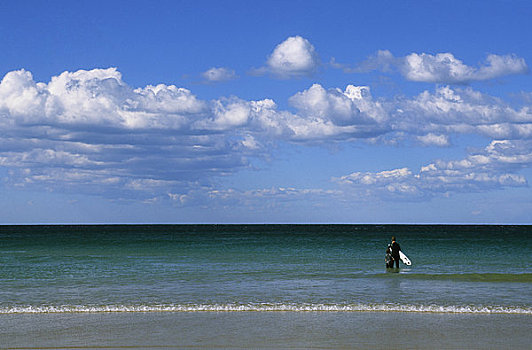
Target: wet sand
{"x":265,"y":330}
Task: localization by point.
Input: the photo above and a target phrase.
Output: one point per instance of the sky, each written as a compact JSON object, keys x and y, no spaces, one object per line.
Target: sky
{"x":265,"y":112}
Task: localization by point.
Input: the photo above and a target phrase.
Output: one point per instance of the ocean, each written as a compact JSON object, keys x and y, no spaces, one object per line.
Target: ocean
{"x":156,"y":271}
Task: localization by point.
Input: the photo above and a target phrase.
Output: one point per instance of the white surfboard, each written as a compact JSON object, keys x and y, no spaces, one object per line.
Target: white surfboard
{"x":404,"y":258}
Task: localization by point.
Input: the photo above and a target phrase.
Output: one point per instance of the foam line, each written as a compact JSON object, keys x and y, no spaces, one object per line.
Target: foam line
{"x":268,"y":308}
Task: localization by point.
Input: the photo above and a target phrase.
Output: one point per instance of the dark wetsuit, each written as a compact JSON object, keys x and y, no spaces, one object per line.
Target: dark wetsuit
{"x":395,"y":253}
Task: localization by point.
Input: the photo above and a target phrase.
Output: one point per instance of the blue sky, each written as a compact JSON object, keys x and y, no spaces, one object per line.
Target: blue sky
{"x":259,"y":112}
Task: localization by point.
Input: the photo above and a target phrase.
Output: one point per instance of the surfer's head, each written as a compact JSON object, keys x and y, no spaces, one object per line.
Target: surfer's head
{"x":393,"y":238}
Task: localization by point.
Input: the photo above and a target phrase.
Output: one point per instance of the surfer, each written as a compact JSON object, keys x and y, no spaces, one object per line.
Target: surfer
{"x":395,"y":248}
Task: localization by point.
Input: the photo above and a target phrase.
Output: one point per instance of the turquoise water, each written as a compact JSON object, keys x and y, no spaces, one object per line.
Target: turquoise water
{"x":178,"y":268}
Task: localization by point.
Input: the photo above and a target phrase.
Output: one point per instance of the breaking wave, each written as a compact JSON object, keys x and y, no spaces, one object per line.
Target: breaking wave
{"x":263,"y":307}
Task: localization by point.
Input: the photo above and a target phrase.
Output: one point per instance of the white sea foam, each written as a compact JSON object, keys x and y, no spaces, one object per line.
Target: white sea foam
{"x":264,"y":307}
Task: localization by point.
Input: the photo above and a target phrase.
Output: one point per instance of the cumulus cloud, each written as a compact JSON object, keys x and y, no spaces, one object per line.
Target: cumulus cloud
{"x":448,"y":110}
{"x":321,"y":115}
{"x":293,"y":58}
{"x":349,"y":112}
{"x":494,"y":167}
{"x":443,"y":68}
{"x":219,"y":74}
{"x":96,"y":98}
{"x":90,"y":132}
{"x":334,"y":104}
{"x":430,"y":118}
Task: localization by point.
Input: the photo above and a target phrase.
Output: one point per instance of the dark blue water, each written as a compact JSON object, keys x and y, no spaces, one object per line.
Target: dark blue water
{"x":264,"y":267}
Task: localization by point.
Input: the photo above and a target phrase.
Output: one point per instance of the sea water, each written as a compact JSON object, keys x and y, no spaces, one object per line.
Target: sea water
{"x":264,"y":268}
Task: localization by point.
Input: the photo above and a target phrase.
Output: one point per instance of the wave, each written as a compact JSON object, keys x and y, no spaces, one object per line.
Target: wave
{"x":466,"y":277}
{"x":263,"y":307}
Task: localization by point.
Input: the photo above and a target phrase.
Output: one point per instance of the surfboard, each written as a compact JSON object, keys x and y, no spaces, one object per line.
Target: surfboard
{"x":404,"y":258}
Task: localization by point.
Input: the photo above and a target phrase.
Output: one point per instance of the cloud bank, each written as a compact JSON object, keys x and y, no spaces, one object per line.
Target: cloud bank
{"x":492,"y":168}
{"x":88,"y":131}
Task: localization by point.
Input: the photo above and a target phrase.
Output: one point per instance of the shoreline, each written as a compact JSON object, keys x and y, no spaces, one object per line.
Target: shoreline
{"x":265,"y":330}
{"x":221,"y":311}
{"x":270,"y":307}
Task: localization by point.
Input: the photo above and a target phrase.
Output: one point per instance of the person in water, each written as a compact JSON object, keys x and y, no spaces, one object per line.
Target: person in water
{"x":395,"y":248}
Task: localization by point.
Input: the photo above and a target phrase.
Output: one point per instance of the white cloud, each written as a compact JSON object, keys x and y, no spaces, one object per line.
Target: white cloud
{"x":230,"y":113}
{"x":337,"y":113}
{"x":167,"y":99}
{"x":219,"y":74}
{"x":95,"y":98}
{"x":294,"y":57}
{"x":435,"y":140}
{"x":333,"y":105}
{"x":450,"y":110}
{"x":492,"y":168}
{"x":443,"y":68}
{"x":20,"y":96}
{"x":497,"y":66}
{"x":89,"y":131}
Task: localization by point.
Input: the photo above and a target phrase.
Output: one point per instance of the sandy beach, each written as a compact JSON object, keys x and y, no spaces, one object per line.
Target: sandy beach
{"x":265,"y":330}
